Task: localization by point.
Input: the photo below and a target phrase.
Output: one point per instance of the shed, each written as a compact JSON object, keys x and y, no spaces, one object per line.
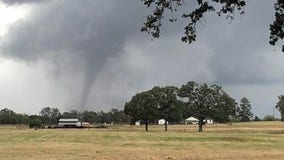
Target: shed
{"x":191,"y":120}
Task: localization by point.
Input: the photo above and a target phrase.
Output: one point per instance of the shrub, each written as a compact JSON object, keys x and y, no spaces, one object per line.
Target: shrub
{"x":268,"y":118}
{"x":36,"y":123}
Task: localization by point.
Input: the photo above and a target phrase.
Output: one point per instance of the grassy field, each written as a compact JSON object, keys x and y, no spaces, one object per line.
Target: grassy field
{"x":255,"y":140}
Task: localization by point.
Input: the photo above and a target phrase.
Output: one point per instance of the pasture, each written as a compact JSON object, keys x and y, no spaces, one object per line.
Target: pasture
{"x":254,"y":140}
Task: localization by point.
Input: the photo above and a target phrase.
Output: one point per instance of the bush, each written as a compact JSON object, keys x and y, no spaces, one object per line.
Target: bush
{"x":256,"y":118}
{"x":268,"y":118}
{"x":101,"y":126}
{"x":36,"y":123}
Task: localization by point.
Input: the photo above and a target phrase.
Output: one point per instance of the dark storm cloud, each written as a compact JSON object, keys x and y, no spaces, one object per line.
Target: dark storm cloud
{"x":83,"y":29}
{"x":12,"y":2}
{"x":242,"y":53}
{"x":94,"y":49}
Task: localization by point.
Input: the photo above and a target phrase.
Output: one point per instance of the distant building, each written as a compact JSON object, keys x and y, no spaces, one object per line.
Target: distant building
{"x":69,"y":123}
{"x":208,"y":121}
{"x":161,"y":121}
{"x":137,"y":123}
{"x":191,"y":120}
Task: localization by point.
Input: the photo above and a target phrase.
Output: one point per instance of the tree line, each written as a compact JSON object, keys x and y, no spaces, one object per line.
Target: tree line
{"x":170,"y":103}
{"x":175,"y":104}
{"x":49,"y":116}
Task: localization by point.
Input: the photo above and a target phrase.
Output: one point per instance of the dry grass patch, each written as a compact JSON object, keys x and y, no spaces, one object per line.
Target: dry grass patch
{"x":264,"y":140}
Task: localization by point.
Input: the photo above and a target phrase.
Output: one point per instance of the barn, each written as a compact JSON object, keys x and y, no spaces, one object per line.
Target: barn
{"x":69,"y":123}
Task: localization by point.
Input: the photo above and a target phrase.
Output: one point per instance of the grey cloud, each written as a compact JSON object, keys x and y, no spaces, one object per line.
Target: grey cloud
{"x":241,"y":55}
{"x":141,"y":66}
{"x":83,"y":29}
{"x":97,"y":56}
{"x":12,"y":2}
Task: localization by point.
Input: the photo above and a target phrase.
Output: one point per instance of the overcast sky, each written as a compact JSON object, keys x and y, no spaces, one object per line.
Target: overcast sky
{"x":91,"y":54}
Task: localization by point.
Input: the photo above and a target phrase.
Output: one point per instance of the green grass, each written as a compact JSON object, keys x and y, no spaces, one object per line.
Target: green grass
{"x":254,"y":140}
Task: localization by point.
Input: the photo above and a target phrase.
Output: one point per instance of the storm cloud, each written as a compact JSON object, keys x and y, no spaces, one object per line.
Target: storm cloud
{"x":82,"y":30}
{"x":13,"y":2}
{"x":94,"y":56}
{"x":245,"y":56}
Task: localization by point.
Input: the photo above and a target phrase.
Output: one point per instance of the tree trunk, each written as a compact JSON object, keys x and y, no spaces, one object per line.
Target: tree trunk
{"x":132,"y":122}
{"x":166,"y":125}
{"x":200,"y":125}
{"x":146,"y":125}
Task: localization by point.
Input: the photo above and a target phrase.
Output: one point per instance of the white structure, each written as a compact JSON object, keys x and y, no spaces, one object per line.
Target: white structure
{"x":137,"y":123}
{"x":208,"y":121}
{"x":161,"y":121}
{"x":68,"y":122}
{"x":191,"y":120}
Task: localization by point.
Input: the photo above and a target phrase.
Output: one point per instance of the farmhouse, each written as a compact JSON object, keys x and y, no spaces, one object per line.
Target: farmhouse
{"x":191,"y":120}
{"x":70,"y":123}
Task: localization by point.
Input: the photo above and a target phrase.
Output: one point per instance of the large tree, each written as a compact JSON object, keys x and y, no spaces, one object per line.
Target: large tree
{"x":196,"y":9}
{"x":142,"y":106}
{"x":280,"y":106}
{"x":207,"y":102}
{"x":244,"y":110}
{"x":167,"y":102}
{"x":225,"y":109}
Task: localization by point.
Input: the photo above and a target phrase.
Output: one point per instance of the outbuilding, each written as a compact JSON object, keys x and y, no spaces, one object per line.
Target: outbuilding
{"x":69,"y":123}
{"x":137,"y":123}
{"x":161,"y":121}
{"x":209,"y":121}
{"x":191,"y":120}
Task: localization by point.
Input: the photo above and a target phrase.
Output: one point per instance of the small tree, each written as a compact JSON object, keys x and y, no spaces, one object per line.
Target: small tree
{"x":49,"y":115}
{"x":244,"y":110}
{"x":280,"y":106}
{"x":36,"y":122}
{"x":268,"y":118}
{"x":256,"y":118}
